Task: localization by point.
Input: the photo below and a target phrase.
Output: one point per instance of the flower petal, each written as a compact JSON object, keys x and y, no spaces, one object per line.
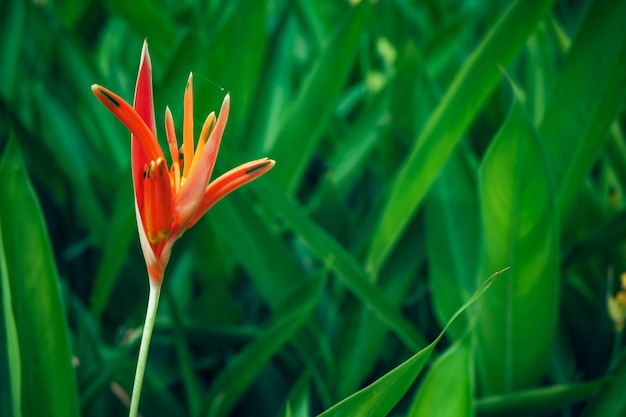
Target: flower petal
{"x":207,"y":128}
{"x":187,"y":149}
{"x":158,"y":203}
{"x":192,"y":191}
{"x":133,"y":121}
{"x":155,"y":268}
{"x":144,"y":106}
{"x":229,"y":182}
{"x":173,"y":145}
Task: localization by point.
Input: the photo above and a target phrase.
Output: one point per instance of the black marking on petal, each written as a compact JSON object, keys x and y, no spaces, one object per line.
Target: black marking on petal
{"x":111,"y":99}
{"x":258,"y":167}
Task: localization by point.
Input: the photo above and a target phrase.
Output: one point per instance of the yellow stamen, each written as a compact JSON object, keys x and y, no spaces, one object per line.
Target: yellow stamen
{"x":207,"y":128}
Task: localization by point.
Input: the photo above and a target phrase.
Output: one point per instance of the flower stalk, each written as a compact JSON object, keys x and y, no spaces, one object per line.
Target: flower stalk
{"x":153,"y":302}
{"x":170,"y":199}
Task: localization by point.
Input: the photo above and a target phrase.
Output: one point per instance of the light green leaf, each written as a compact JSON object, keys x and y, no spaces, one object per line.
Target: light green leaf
{"x":48,"y":383}
{"x":299,"y":401}
{"x":539,"y":401}
{"x":379,"y":398}
{"x":453,"y":236}
{"x":10,"y":349}
{"x":448,"y":389}
{"x":517,"y":319}
{"x":459,"y":106}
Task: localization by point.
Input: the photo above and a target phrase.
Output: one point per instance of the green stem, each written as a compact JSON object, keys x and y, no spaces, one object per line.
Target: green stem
{"x":153,"y":302}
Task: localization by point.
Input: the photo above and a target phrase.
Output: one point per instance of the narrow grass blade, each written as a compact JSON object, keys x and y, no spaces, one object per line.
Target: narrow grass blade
{"x":379,"y":398}
{"x":448,"y":388}
{"x":539,"y":401}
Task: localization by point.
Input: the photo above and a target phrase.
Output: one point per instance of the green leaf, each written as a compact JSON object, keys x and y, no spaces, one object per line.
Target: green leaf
{"x":517,"y":319}
{"x":581,"y":106}
{"x":121,"y":232}
{"x":9,"y":345}
{"x":48,"y":384}
{"x":269,"y":264}
{"x":379,"y":398}
{"x":453,"y":232}
{"x":272,"y":97}
{"x":13,"y":15}
{"x":539,"y":401}
{"x":306,"y":118}
{"x":299,"y":401}
{"x":448,"y":389}
{"x":228,"y":387}
{"x":458,"y":108}
{"x":610,"y":401}
{"x":339,"y":260}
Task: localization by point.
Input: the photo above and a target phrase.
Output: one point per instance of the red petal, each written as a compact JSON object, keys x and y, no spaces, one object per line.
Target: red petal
{"x":144,"y":106}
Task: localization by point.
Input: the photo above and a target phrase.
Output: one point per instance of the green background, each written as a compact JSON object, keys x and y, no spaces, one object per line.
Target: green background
{"x":421,"y":147}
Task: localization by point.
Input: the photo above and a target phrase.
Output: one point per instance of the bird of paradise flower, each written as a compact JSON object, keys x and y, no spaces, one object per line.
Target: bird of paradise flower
{"x":168,"y":201}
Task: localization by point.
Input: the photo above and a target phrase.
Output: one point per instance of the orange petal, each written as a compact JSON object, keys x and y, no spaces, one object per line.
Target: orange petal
{"x":127,"y":115}
{"x":154,"y":266}
{"x":229,"y":182}
{"x":207,"y":128}
{"x":191,"y":192}
{"x":173,"y":145}
{"x":157,"y":201}
{"x":187,"y":149}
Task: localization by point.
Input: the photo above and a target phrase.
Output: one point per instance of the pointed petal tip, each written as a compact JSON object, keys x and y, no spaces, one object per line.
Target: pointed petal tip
{"x":95,"y":88}
{"x":145,"y":57}
{"x":260,"y":166}
{"x":110,"y":100}
{"x":144,"y":49}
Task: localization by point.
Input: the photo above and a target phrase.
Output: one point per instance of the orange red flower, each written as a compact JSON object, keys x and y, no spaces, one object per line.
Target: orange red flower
{"x":169,"y":200}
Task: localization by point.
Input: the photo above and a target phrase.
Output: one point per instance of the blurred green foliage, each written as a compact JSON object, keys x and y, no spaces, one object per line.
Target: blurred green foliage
{"x":421,"y":147}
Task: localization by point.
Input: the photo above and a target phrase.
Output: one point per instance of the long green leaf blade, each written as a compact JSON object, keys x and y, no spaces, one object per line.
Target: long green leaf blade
{"x":382,"y":395}
{"x":304,"y":122}
{"x":576,"y":120}
{"x":517,"y":319}
{"x":459,"y":107}
{"x":453,"y":233}
{"x":48,"y":381}
{"x":340,"y":261}
{"x":448,"y":389}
